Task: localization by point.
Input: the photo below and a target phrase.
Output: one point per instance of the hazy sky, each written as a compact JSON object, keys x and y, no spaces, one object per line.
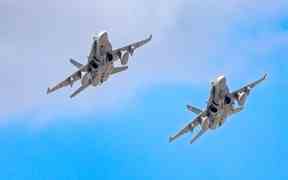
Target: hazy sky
{"x":120,"y":130}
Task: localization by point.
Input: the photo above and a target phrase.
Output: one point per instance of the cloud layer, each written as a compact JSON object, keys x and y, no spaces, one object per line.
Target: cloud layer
{"x":192,"y":42}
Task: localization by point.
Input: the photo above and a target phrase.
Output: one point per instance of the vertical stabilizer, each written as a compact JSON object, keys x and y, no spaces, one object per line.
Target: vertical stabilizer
{"x":76,"y":64}
{"x":194,"y":109}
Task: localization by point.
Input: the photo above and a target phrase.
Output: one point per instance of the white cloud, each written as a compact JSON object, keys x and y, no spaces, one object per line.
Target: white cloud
{"x":38,"y":38}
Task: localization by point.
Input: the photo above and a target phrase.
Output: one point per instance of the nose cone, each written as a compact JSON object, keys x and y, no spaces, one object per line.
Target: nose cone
{"x":101,"y":35}
{"x":221,"y":81}
{"x":103,"y":38}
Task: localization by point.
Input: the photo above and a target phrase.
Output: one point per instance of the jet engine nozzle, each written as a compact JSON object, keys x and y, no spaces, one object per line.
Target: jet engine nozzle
{"x":227,"y":100}
{"x":213,"y":109}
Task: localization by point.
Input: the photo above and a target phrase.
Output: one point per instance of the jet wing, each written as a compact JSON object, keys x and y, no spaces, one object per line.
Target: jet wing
{"x":118,"y":69}
{"x":188,"y":128}
{"x":70,"y":80}
{"x":131,"y":47}
{"x":250,"y":86}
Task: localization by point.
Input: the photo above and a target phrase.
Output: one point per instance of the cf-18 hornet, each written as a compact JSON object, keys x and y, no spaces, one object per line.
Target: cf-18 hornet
{"x":221,"y":104}
{"x":100,"y":63}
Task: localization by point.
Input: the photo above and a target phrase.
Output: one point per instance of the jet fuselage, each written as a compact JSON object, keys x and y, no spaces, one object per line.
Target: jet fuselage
{"x":220,"y":103}
{"x":100,"y":59}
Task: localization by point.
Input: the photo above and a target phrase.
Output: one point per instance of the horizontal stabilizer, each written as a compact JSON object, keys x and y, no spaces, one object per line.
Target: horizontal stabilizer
{"x":198,"y":135}
{"x":79,"y":90}
{"x":76,"y":64}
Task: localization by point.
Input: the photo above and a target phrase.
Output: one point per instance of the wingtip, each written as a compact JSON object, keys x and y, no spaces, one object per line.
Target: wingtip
{"x":150,"y":37}
{"x":171,"y":139}
{"x":48,"y":90}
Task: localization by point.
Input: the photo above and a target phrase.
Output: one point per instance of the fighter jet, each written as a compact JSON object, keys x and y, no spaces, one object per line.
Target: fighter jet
{"x":221,"y":104}
{"x":100,"y":63}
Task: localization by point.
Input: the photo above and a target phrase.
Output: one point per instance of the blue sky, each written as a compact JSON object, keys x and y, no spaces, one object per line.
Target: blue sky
{"x":120,"y":130}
